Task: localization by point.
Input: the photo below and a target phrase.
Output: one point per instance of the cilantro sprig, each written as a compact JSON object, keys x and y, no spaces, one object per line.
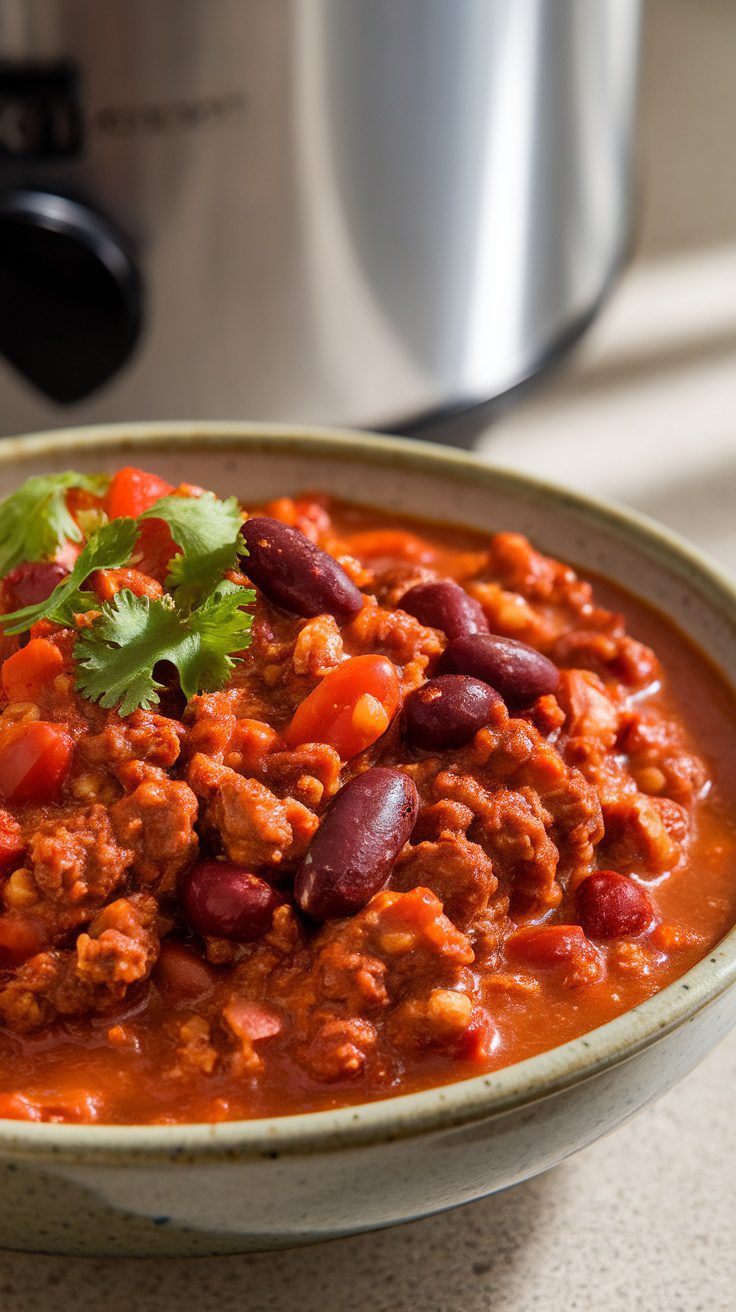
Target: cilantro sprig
{"x":206,"y":531}
{"x":109,"y":548}
{"x":199,"y":625}
{"x":35,"y":520}
{"x":117,"y":657}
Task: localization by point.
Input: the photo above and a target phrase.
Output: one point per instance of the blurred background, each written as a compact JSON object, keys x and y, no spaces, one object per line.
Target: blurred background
{"x":508,"y":224}
{"x":449,"y":220}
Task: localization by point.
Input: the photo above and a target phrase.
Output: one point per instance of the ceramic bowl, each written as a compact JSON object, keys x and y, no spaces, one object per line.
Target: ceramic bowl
{"x":189,"y":1189}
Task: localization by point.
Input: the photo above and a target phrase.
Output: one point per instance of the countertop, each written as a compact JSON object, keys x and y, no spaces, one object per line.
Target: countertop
{"x":646,"y":413}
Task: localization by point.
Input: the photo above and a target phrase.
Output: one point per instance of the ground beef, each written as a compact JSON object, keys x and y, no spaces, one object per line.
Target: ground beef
{"x":77,"y":862}
{"x":254,"y":827}
{"x":156,"y":822}
{"x":143,"y":736}
{"x":118,"y":950}
{"x":459,"y":872}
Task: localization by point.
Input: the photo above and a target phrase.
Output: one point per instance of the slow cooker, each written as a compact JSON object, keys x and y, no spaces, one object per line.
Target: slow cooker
{"x":354,"y":211}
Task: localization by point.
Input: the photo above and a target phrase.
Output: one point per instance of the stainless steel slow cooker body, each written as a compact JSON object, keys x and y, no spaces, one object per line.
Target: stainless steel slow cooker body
{"x":357,"y":211}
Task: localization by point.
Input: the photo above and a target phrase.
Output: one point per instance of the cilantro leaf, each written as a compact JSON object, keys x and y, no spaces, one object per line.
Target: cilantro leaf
{"x":221,"y":628}
{"x":116,"y":657}
{"x":110,"y":547}
{"x":34,"y":519}
{"x":206,"y":529}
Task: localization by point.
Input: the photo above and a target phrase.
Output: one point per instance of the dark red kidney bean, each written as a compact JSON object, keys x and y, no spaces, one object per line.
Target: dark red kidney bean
{"x":610,"y":905}
{"x":226,"y":901}
{"x":518,"y":672}
{"x":444,"y":605}
{"x":295,"y":574}
{"x":352,"y":853}
{"x":182,"y":972}
{"x":447,"y":711}
{"x":33,"y":582}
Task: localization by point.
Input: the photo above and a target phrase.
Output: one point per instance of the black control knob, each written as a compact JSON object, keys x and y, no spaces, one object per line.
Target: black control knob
{"x":70,"y":295}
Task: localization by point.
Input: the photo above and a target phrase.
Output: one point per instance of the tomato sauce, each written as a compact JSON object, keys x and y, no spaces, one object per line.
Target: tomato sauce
{"x":176,"y":946}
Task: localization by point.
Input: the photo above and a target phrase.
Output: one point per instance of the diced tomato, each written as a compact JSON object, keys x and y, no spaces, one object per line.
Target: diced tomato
{"x":28,"y":673}
{"x":44,"y":629}
{"x":391,"y":544}
{"x":182,"y":972}
{"x":548,"y":946}
{"x":35,"y":758}
{"x":20,"y":938}
{"x":351,"y":707}
{"x":108,"y":582}
{"x":154,"y":549}
{"x":477,"y":1043}
{"x":133,"y":490}
{"x":12,"y":846}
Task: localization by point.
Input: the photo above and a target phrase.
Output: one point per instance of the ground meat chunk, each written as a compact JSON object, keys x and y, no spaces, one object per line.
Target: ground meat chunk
{"x":339,"y":1048}
{"x":647,"y":835}
{"x":659,"y":748}
{"x":255,"y":827}
{"x":610,"y":652}
{"x":318,"y":648}
{"x":515,"y":563}
{"x":118,"y":950}
{"x":142,"y":736}
{"x":77,"y":861}
{"x":513,"y":827}
{"x":457,"y":871}
{"x":398,"y":635}
{"x":391,"y":584}
{"x":156,"y":822}
{"x":592,"y":718}
{"x":442,"y":817}
{"x":380,"y":959}
{"x":310,"y":772}
{"x":121,"y":944}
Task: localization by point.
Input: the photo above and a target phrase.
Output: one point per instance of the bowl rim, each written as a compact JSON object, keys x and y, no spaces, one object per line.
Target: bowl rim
{"x":444,"y":1106}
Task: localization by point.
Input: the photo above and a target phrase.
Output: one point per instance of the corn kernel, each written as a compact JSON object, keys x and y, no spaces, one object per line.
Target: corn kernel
{"x":20,"y":890}
{"x":651,"y":779}
{"x":19,"y":712}
{"x":397,"y":943}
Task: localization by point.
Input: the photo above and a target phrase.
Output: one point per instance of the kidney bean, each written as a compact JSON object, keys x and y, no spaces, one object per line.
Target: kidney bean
{"x":447,"y":711}
{"x":294,"y":573}
{"x":549,"y":946}
{"x":518,"y":672}
{"x":182,"y":972}
{"x":443,"y":604}
{"x":33,"y":582}
{"x":226,"y":901}
{"x":252,"y":1020}
{"x":363,"y":830}
{"x":610,"y":905}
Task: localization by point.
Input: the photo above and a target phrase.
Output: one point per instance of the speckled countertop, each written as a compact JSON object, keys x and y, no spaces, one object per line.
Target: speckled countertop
{"x":646,"y":413}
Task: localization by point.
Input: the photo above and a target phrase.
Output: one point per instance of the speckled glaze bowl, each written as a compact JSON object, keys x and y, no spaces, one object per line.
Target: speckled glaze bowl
{"x":249,"y":1185}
